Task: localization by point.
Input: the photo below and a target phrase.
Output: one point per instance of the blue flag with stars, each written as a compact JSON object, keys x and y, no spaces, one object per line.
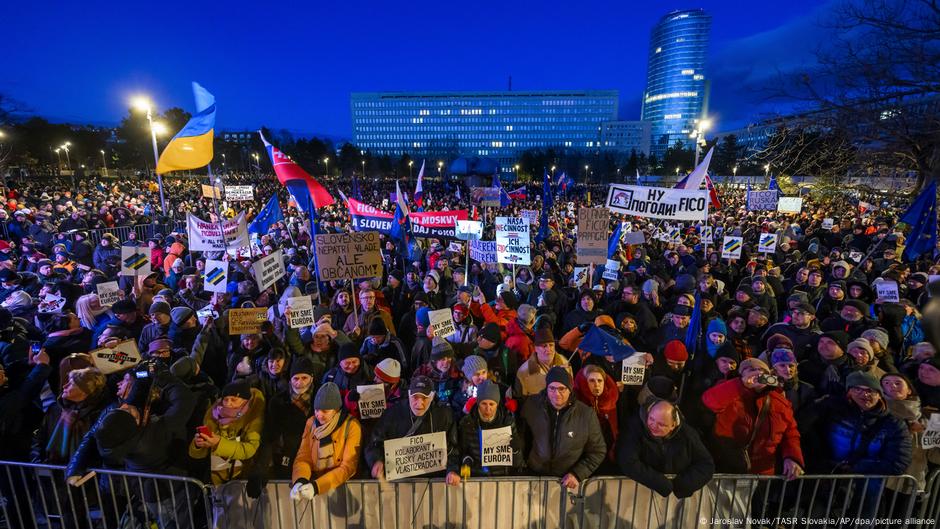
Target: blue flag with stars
{"x":922,"y":217}
{"x":267,"y":217}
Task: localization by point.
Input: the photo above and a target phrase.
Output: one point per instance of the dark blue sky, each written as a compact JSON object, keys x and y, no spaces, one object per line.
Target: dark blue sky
{"x":293,"y":65}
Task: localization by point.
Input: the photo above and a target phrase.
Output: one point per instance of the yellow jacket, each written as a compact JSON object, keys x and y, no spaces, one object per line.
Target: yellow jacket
{"x":239,"y":443}
{"x":347,"y":445}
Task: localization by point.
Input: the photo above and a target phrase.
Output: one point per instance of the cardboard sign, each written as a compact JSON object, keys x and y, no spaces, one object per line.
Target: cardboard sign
{"x":215,"y":276}
{"x":348,"y":255}
{"x":762,"y":200}
{"x":887,"y":291}
{"x":731,"y":247}
{"x":135,"y":260}
{"x":469,"y":230}
{"x":51,"y":304}
{"x":827,"y":224}
{"x":269,"y":269}
{"x":790,"y":204}
{"x":246,"y":321}
{"x":300,"y":312}
{"x":118,"y":358}
{"x":591,"y":245}
{"x":931,"y":437}
{"x":856,"y":256}
{"x":208,"y":236}
{"x":512,"y":241}
{"x":239,"y":193}
{"x":109,"y":293}
{"x":634,"y":237}
{"x":483,"y":251}
{"x":531,"y":214}
{"x":406,"y":457}
{"x":442,"y":321}
{"x":496,"y":447}
{"x":485,"y":196}
{"x":211,"y":192}
{"x":455,"y":247}
{"x":371,"y":401}
{"x":611,"y":270}
{"x":580,"y":276}
{"x":706,"y":235}
{"x":633,"y":370}
{"x":767,"y":243}
{"x":658,"y":202}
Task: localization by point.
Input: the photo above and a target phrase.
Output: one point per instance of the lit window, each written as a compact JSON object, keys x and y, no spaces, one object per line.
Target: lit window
{"x":698,"y":77}
{"x":659,"y":49}
{"x":672,"y":116}
{"x":688,"y":72}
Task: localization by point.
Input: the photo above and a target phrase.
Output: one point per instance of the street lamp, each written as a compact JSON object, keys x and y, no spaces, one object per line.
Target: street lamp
{"x":767,"y":170}
{"x":257,"y":163}
{"x":553,"y":172}
{"x":410,"y":163}
{"x":586,"y":167}
{"x":105,"y":162}
{"x":363,"y":168}
{"x":143,"y":104}
{"x":327,"y":162}
{"x":677,"y":171}
{"x":701,"y":125}
{"x":440,"y":165}
{"x":68,"y":159}
{"x":59,"y":157}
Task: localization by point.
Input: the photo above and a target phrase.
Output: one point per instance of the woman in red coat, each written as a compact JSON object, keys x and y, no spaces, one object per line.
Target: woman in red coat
{"x":598,"y":390}
{"x":737,"y":404}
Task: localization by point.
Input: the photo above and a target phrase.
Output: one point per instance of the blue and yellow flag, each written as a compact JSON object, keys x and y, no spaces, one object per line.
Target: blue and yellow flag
{"x":191,"y":148}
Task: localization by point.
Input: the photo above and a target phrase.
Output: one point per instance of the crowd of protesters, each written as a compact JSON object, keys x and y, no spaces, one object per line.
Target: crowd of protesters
{"x":798,"y":366}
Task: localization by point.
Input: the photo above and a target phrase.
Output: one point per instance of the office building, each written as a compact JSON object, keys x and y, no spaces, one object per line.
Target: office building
{"x":495,"y":124}
{"x":623,"y":137}
{"x":676,"y":84}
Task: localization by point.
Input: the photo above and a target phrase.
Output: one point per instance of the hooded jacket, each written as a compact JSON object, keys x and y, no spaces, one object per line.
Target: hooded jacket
{"x":347,"y":446}
{"x":519,"y":340}
{"x":562,"y":441}
{"x":239,"y":440}
{"x":469,"y":433}
{"x":604,"y":406}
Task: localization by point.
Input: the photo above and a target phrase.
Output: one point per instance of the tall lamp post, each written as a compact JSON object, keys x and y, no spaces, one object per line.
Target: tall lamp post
{"x":440,"y":165}
{"x":58,"y":156}
{"x":257,"y":164}
{"x":104,"y":161}
{"x":701,"y":125}
{"x":410,"y":163}
{"x":327,"y":162}
{"x":143,"y":104}
{"x":68,"y":160}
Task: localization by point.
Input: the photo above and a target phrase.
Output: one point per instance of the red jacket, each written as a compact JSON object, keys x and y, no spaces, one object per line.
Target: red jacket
{"x":604,"y":406}
{"x":519,"y":341}
{"x":501,"y":318}
{"x":736,"y":408}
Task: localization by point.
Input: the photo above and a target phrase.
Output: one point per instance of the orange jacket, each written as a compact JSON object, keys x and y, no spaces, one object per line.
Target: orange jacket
{"x":347,"y":446}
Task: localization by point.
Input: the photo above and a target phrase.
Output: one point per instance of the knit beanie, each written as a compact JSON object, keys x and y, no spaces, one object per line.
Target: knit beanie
{"x":717,"y":325}
{"x":238,"y":388}
{"x":876,"y":335}
{"x":302,"y":365}
{"x":490,"y":332}
{"x":862,"y":344}
{"x":184,"y":368}
{"x":782,"y":356}
{"x":159,"y":307}
{"x":862,"y":379}
{"x":388,"y":371}
{"x":558,"y":374}
{"x":179,"y":315}
{"x":328,"y":397}
{"x":510,"y":299}
{"x":115,"y":428}
{"x":777,"y":340}
{"x":839,"y":337}
{"x":472,"y":364}
{"x":488,"y":390}
{"x":675,"y":351}
{"x":347,"y":350}
{"x":89,"y":380}
{"x":441,"y":348}
{"x":377,"y":327}
{"x":753,"y":364}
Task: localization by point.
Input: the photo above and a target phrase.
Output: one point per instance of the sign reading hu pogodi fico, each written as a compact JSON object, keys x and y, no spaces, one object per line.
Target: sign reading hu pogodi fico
{"x":512,"y":241}
{"x":658,"y":202}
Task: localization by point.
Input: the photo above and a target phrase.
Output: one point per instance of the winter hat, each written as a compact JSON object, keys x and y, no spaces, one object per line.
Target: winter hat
{"x":777,"y":341}
{"x":682,"y":310}
{"x":543,"y":336}
{"x":676,"y":351}
{"x":180,"y":315}
{"x":558,"y":374}
{"x":328,"y":397}
{"x":124,"y":306}
{"x":302,"y":365}
{"x":388,"y":371}
{"x":782,"y":356}
{"x":159,"y":344}
{"x":116,"y":428}
{"x":184,"y":368}
{"x":839,"y":337}
{"x":752,"y":364}
{"x":862,"y":379}
{"x":239,"y":388}
{"x":876,"y":335}
{"x":491,"y":332}
{"x":423,"y":318}
{"x":510,"y":299}
{"x":859,"y":305}
{"x":717,"y":325}
{"x":472,"y":364}
{"x":798,"y":296}
{"x":526,"y":314}
{"x":377,"y":327}
{"x":159,"y":307}
{"x":89,"y":380}
{"x":488,"y":390}
{"x":441,"y":349}
{"x":864,"y":345}
{"x":421,"y":385}
{"x":726,"y":350}
{"x":662,"y":387}
{"x":347,"y":350}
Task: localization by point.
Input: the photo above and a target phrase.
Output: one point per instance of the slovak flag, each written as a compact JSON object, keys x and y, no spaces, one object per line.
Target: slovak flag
{"x":518,"y":193}
{"x":712,"y":193}
{"x":565,"y":182}
{"x":419,"y":187}
{"x":287,"y":171}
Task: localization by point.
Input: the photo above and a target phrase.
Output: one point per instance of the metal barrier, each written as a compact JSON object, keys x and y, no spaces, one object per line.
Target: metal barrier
{"x":34,"y":496}
{"x":930,"y":509}
{"x":142,"y":231}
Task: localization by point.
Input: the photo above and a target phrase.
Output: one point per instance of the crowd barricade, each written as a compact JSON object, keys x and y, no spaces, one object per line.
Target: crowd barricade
{"x":34,"y":496}
{"x":930,"y":507}
{"x":142,"y":231}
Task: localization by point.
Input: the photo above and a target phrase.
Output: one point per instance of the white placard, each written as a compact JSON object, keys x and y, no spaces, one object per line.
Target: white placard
{"x":215,"y":276}
{"x":658,"y":202}
{"x":122,"y":356}
{"x":109,"y":293}
{"x":483,"y":251}
{"x":931,"y":437}
{"x":580,"y":276}
{"x":51,"y":304}
{"x":206,"y":237}
{"x":268,"y":269}
{"x":512,"y":241}
{"x":455,"y":247}
{"x":827,"y":224}
{"x":790,"y":204}
{"x":633,"y":370}
{"x":767,"y":243}
{"x":442,"y":321}
{"x":856,"y":256}
{"x":239,"y":193}
{"x":416,"y":455}
{"x":496,"y":447}
{"x":634,"y":237}
{"x":531,"y":214}
{"x":731,"y":247}
{"x":469,"y":230}
{"x":301,"y":312}
{"x":135,"y":260}
{"x":611,"y":270}
{"x":706,"y":234}
{"x":887,"y":291}
{"x":371,"y":401}
{"x":762,"y":200}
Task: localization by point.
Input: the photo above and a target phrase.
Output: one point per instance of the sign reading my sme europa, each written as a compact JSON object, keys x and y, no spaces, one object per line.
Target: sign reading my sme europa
{"x":348,"y":255}
{"x":658,"y":202}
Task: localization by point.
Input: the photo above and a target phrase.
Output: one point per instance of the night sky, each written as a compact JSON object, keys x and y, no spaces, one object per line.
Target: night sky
{"x":293,"y":65}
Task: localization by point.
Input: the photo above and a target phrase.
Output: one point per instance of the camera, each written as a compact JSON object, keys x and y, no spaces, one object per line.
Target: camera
{"x":768,"y":380}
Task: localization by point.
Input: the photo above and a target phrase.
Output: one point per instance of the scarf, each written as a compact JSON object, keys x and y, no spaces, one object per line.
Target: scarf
{"x":323,"y":431}
{"x":225,"y":416}
{"x":302,"y":399}
{"x":70,"y":429}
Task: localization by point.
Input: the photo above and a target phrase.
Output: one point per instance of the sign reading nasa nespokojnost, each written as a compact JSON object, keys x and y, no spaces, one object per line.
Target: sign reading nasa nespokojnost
{"x":512,"y":241}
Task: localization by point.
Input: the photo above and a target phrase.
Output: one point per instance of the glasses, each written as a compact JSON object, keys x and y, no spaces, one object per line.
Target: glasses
{"x":863,"y":390}
{"x":367,"y":298}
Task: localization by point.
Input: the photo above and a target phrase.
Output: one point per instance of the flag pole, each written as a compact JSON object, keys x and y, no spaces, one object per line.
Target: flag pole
{"x":215,"y":206}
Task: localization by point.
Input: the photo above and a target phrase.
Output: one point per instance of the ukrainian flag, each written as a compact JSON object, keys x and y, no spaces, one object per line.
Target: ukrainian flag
{"x":191,"y":148}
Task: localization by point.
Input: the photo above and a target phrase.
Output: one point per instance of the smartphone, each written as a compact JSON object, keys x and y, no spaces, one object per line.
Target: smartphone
{"x":204,"y":430}
{"x":35,"y":347}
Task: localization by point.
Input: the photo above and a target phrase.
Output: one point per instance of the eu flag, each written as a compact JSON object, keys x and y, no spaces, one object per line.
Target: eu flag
{"x":601,"y":343}
{"x":613,"y":244}
{"x":267,"y":217}
{"x":922,"y":217}
{"x":695,"y":327}
{"x":504,"y":199}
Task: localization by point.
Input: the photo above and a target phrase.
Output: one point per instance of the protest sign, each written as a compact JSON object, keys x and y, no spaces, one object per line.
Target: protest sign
{"x":496,"y":447}
{"x":436,"y":224}
{"x":109,"y":293}
{"x":369,"y":218}
{"x":790,"y":204}
{"x":658,"y":202}
{"x":215,"y":276}
{"x":442,"y":321}
{"x":512,"y":241}
{"x":767,"y":243}
{"x":931,"y":438}
{"x":611,"y":269}
{"x":887,"y":291}
{"x":856,"y":256}
{"x":531,"y":214}
{"x":205,"y":313}
{"x":731,"y":247}
{"x":706,"y":235}
{"x":762,"y":200}
{"x":348,"y":255}
{"x":634,"y":237}
{"x":211,"y":192}
{"x":135,"y":260}
{"x":455,"y":247}
{"x":483,"y":251}
{"x":591,"y":245}
{"x":113,"y":359}
{"x":469,"y":230}
{"x":633,"y":370}
{"x":416,"y":455}
{"x":205,"y":236}
{"x":51,"y":304}
{"x":485,"y":196}
{"x":371,"y":401}
{"x":246,"y":321}
{"x":580,"y":276}
{"x":239,"y":193}
{"x":269,"y":269}
{"x":300,"y":312}
{"x":827,"y":224}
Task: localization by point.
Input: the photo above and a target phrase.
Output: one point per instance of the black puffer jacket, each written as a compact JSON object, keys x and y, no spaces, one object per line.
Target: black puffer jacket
{"x":647,"y":460}
{"x":468,"y":443}
{"x":398,"y":422}
{"x":562,"y":441}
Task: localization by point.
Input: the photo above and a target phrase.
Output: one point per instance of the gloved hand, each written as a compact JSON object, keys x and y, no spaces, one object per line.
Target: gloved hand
{"x":353,"y":395}
{"x":585,"y":327}
{"x":303,"y":491}
{"x":254,"y":487}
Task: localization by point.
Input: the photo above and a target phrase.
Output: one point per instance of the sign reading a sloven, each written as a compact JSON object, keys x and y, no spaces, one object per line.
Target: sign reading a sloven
{"x":348,"y":255}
